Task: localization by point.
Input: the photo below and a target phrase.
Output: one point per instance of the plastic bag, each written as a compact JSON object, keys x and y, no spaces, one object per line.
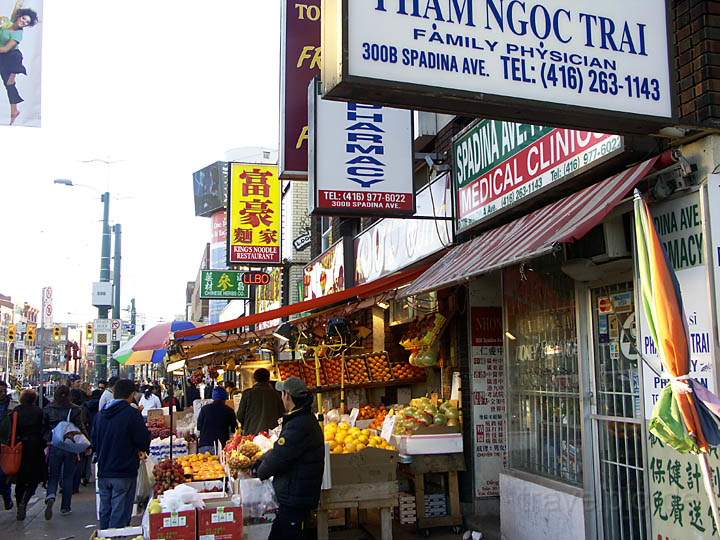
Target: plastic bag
{"x":67,"y":436}
{"x":425,"y":357}
{"x":181,"y":498}
{"x":257,"y":497}
{"x":144,"y":490}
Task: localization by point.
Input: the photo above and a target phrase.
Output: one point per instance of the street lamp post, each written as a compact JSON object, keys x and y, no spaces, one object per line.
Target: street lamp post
{"x":117,"y":229}
{"x":101,"y":351}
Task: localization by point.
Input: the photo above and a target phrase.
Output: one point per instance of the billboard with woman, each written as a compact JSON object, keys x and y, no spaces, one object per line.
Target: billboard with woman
{"x":20,"y":62}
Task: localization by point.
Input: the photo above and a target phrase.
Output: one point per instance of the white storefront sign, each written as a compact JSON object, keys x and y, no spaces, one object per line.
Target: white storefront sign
{"x":361,"y":159}
{"x":680,"y":225}
{"x":609,"y":57}
{"x":392,"y":244}
{"x":714,"y":205}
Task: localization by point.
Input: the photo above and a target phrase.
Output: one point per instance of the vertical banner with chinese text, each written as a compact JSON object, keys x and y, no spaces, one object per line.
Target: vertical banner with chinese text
{"x":254,"y":215}
{"x":300,"y":63}
{"x":487,"y":379}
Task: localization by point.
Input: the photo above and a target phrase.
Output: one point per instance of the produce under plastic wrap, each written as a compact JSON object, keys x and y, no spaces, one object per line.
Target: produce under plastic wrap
{"x":425,"y":357}
{"x":258,"y":500}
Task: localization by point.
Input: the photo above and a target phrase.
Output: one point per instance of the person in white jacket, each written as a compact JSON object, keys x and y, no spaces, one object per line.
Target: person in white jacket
{"x":149,"y":400}
{"x":107,"y":396}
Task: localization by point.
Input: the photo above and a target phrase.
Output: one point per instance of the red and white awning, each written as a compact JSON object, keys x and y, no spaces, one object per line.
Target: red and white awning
{"x":532,"y":235}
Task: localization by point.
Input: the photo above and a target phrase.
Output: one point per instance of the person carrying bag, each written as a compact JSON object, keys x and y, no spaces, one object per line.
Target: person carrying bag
{"x":11,"y":455}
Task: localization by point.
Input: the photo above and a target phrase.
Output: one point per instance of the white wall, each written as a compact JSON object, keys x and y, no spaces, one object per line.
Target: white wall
{"x":529,"y":511}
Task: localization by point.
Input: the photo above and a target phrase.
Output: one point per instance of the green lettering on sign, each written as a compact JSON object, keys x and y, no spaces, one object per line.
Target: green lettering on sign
{"x":223,"y":285}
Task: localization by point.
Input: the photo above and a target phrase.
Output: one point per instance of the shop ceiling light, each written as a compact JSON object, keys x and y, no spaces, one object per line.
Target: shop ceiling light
{"x":510,"y":336}
{"x":383,"y":305}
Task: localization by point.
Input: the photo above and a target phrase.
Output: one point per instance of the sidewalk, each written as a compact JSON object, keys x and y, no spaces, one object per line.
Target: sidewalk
{"x":77,"y":526}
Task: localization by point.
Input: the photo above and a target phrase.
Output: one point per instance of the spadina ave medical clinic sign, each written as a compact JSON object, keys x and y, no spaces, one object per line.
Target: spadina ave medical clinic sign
{"x":498,"y":165}
{"x":600,"y":65}
{"x":360,"y":159}
{"x":254,"y":215}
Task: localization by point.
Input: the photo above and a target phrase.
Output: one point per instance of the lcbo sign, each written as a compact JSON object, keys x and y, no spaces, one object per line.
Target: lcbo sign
{"x":597,"y":63}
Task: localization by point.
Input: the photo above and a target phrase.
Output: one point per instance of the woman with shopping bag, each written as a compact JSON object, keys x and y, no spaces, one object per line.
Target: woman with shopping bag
{"x":26,"y":420}
{"x":62,"y":423}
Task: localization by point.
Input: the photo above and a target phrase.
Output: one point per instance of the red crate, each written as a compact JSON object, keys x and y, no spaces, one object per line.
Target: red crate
{"x":222,"y":523}
{"x":174,"y":526}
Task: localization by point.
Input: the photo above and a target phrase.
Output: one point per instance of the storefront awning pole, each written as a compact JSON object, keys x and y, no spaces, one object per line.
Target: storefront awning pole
{"x":317,"y":381}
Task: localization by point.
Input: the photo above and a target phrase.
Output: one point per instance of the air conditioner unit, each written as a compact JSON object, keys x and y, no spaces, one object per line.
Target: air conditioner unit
{"x":607,"y":241}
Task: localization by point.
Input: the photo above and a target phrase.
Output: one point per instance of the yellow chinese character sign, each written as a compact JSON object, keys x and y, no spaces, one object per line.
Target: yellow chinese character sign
{"x":254,"y":216}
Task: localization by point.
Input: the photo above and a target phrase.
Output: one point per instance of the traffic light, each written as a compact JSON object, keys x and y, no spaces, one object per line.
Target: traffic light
{"x":12,"y":329}
{"x":57,"y":333}
{"x":30,"y":333}
{"x":89,"y":331}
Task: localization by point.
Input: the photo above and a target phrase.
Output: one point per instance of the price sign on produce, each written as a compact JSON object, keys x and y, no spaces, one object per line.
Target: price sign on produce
{"x":600,"y":64}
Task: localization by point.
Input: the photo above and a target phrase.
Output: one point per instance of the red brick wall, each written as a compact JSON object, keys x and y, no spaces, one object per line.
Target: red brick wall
{"x":696,"y":29}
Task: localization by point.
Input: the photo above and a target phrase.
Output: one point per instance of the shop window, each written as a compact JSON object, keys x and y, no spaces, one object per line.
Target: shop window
{"x":543,"y":382}
{"x":408,"y":309}
{"x":326,"y":233}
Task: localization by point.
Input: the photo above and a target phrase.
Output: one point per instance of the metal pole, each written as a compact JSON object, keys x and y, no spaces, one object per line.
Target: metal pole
{"x":101,"y":351}
{"x":117,"y":229}
{"x":133,"y":320}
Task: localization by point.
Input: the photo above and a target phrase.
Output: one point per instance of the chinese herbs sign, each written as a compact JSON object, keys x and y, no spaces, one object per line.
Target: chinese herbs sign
{"x":300,"y":63}
{"x":679,"y":506}
{"x":223,"y":284}
{"x":498,"y":165}
{"x":488,"y":399}
{"x":254,"y":215}
{"x":588,"y":64}
{"x":361,"y":159}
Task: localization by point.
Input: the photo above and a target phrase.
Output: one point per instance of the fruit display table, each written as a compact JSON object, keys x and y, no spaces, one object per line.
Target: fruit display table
{"x":446,"y":464}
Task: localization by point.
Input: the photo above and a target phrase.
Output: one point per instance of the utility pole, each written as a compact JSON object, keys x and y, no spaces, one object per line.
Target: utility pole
{"x":133,"y":321}
{"x":101,"y":351}
{"x":117,"y":229}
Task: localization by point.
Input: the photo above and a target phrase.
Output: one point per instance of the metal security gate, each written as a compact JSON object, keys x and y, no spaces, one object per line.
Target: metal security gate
{"x":616,"y":416}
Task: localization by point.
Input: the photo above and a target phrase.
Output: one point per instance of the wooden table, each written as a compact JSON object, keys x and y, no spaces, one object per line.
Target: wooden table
{"x":380,"y":495}
{"x":449,"y":464}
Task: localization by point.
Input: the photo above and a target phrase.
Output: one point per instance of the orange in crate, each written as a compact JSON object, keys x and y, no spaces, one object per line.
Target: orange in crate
{"x":308,"y":374}
{"x":379,"y":367}
{"x":333,"y":370}
{"x":356,"y":371}
{"x":290,"y":369}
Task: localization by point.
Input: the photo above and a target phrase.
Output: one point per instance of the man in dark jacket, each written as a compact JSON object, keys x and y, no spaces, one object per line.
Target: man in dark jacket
{"x":119,"y":437}
{"x":215,"y":421}
{"x":7,"y":404}
{"x":296,"y":461}
{"x":260,"y":406}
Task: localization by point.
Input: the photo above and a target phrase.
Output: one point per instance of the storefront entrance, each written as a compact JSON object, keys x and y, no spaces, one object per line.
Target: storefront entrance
{"x":616,"y":415}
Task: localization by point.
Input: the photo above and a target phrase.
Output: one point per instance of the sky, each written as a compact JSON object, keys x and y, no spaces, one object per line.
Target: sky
{"x":161,"y":88}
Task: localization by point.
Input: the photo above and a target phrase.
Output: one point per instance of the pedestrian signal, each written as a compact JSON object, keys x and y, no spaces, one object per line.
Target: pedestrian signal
{"x":12,"y":329}
{"x":89,"y":331}
{"x":57,"y":333}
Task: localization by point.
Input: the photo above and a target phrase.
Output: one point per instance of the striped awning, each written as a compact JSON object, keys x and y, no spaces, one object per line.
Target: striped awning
{"x":532,"y":235}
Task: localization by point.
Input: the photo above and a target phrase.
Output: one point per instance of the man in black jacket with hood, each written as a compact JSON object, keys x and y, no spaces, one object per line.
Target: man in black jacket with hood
{"x":296,"y":461}
{"x":119,"y":436}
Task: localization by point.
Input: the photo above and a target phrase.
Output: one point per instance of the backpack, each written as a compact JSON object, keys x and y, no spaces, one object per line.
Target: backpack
{"x":67,"y":436}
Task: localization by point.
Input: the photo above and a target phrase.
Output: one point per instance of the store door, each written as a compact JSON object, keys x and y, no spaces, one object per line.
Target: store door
{"x":616,"y":416}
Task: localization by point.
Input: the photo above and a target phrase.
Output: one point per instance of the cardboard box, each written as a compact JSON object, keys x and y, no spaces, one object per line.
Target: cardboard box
{"x":437,"y":430}
{"x":174,"y":526}
{"x":126,"y":533}
{"x":450,"y":443}
{"x":367,"y":466}
{"x":220,"y":523}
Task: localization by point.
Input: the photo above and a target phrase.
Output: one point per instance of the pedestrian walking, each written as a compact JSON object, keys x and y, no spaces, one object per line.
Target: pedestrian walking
{"x":119,"y":438}
{"x":77,"y":394}
{"x":215,"y":422}
{"x":107,"y":395}
{"x":296,"y":461}
{"x":260,"y":406}
{"x":61,"y":463}
{"x":33,"y":469}
{"x":7,"y":404}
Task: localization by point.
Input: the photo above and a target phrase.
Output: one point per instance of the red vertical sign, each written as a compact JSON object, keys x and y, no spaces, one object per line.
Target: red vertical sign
{"x":300,"y":63}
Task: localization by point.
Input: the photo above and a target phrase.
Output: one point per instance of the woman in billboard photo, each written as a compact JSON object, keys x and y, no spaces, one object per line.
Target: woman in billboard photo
{"x":11,"y":59}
